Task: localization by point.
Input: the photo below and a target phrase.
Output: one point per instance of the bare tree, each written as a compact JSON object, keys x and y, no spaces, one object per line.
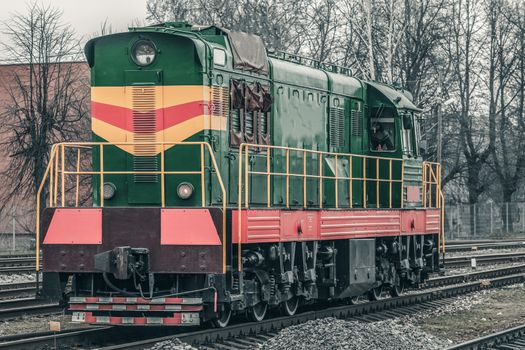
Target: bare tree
{"x":48,"y":98}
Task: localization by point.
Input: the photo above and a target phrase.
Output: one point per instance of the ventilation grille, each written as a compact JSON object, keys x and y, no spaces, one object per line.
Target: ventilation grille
{"x":249,"y":123}
{"x":144,"y":132}
{"x":356,"y":122}
{"x":220,"y":99}
{"x":337,"y":127}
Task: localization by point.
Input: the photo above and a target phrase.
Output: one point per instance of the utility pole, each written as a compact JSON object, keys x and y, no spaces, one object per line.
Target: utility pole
{"x":439,"y":131}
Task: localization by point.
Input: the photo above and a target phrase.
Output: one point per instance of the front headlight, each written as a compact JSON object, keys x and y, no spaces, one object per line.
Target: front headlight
{"x":184,"y":190}
{"x":109,"y":190}
{"x":143,"y":52}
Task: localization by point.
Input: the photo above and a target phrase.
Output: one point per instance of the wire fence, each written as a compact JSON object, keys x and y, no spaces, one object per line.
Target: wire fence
{"x":487,"y":220}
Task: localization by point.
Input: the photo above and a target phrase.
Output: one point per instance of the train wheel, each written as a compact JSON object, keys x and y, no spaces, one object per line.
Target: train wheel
{"x":224,"y":317}
{"x":290,"y":306}
{"x":257,"y":312}
{"x":398,"y":288}
{"x":375,"y":293}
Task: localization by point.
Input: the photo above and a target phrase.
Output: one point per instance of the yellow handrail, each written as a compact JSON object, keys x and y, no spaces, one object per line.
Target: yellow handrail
{"x":58,"y":157}
{"x":244,"y":172}
{"x":432,"y":183}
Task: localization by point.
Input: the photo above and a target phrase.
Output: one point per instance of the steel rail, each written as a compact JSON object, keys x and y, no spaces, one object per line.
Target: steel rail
{"x":500,"y":340}
{"x":17,"y":269}
{"x":465,"y":247}
{"x":462,"y":261}
{"x":14,"y":308}
{"x":17,"y":289}
{"x":17,"y":261}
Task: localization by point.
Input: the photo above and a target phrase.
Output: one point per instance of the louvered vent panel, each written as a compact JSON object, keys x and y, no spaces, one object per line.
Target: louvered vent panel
{"x":235,"y":120}
{"x":220,"y":101}
{"x":337,"y":127}
{"x":144,"y":132}
{"x":357,"y":123}
{"x":249,"y":127}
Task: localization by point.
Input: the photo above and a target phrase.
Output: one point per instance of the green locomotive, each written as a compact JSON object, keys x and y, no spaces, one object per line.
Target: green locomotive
{"x":228,"y":179}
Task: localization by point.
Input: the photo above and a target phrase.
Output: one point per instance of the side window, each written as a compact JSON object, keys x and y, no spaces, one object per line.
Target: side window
{"x":382,"y":130}
{"x":407,"y":133}
{"x":250,"y":113}
{"x":219,"y":57}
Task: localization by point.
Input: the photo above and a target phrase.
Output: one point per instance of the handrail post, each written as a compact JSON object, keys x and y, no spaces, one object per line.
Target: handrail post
{"x":304,"y":179}
{"x":377,"y":182}
{"x":239,"y":204}
{"x":101,"y":175}
{"x":246,"y":178}
{"x":162,"y":177}
{"x":203,"y":192}
{"x":51,"y":176}
{"x":320,"y":180}
{"x":287,"y":178}
{"x":55,"y":194}
{"x":78,"y":178}
{"x":336,"y":187}
{"x":402,"y":183}
{"x":424,"y":184}
{"x":62,"y":175}
{"x":351,"y":180}
{"x":390,"y":184}
{"x":364,"y":182}
{"x":268,"y":178}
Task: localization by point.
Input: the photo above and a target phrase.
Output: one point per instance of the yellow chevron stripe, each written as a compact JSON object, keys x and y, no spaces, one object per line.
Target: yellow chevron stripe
{"x":176,"y":133}
{"x":169,"y":95}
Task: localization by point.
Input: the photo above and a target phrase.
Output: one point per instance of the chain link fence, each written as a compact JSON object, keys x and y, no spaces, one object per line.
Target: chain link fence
{"x":487,"y":220}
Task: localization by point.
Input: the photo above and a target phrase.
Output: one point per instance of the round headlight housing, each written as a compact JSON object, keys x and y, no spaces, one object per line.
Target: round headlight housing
{"x":109,"y":190}
{"x":184,"y":190}
{"x":143,"y":52}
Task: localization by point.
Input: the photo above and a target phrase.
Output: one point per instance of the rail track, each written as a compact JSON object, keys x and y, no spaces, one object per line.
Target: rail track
{"x":14,"y":308}
{"x":475,"y":246}
{"x":484,"y":259}
{"x":247,"y":335}
{"x":513,"y":338}
{"x":16,"y":289}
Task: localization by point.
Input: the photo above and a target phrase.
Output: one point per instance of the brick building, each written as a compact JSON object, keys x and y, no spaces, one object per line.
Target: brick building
{"x":23,"y":210}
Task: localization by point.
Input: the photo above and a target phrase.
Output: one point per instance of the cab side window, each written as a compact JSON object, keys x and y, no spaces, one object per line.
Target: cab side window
{"x":407,"y":133}
{"x":382,"y":130}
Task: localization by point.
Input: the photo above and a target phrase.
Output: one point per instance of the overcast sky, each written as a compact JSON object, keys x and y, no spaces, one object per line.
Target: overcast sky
{"x":85,"y":16}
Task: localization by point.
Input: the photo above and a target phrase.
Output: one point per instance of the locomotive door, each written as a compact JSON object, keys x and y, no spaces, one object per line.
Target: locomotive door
{"x":355,"y":109}
{"x":145,"y":119}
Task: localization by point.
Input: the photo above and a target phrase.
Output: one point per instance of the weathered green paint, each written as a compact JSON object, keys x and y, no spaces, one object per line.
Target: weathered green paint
{"x":302,"y":96}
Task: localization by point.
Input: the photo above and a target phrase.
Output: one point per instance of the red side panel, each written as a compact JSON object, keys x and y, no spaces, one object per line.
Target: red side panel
{"x":188,"y":227}
{"x":75,"y":226}
{"x":268,"y":225}
{"x":299,"y":225}
{"x":433,"y":220}
{"x":413,"y":221}
{"x":336,"y":224}
{"x":257,"y":226}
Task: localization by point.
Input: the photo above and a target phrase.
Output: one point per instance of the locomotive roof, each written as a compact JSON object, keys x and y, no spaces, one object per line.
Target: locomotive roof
{"x":397,"y":97}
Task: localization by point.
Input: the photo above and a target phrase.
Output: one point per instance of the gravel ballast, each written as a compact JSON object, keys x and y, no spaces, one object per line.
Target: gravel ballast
{"x":332,"y":333}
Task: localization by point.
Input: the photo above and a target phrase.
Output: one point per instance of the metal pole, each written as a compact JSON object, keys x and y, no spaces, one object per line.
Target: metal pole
{"x":507,"y":216}
{"x":475,"y":216}
{"x":523,"y":218}
{"x":439,"y":132}
{"x":14,"y":226}
{"x":491,"y":220}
